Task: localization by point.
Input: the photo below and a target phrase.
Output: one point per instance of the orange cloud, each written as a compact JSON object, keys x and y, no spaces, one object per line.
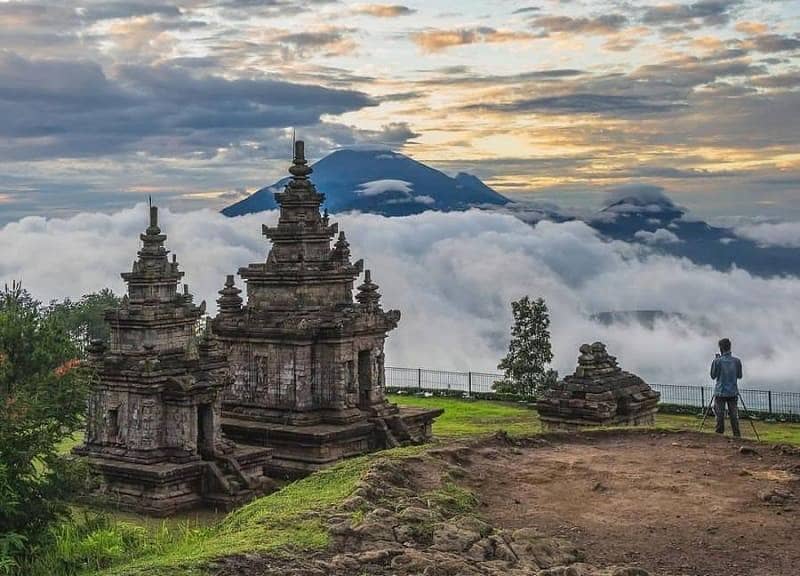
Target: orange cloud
{"x":438,"y":40}
{"x":752,"y":28}
{"x":384,"y":10}
{"x":708,"y":43}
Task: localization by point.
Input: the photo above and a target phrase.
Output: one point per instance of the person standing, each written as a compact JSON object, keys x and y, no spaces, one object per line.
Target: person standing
{"x":726,"y":370}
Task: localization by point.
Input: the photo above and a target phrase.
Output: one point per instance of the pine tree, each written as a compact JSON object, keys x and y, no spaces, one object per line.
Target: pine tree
{"x":529,"y":353}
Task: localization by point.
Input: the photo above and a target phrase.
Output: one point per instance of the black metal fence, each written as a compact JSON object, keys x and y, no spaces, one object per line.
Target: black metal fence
{"x":480,"y":384}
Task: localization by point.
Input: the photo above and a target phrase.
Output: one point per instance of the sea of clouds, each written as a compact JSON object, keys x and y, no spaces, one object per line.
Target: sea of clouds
{"x":453,"y":276}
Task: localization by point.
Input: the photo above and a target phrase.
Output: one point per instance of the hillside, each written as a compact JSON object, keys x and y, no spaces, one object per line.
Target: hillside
{"x":380,"y":182}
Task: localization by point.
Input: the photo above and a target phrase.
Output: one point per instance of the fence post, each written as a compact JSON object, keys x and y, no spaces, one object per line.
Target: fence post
{"x":703,"y":396}
{"x":419,"y":378}
{"x":469,"y":384}
{"x":769,"y":400}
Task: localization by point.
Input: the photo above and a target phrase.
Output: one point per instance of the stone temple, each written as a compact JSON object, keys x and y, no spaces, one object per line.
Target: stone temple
{"x":306,"y":359}
{"x":599,"y":393}
{"x":153,"y":429}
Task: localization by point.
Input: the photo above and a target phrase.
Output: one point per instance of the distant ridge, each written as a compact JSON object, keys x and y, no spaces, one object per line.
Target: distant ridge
{"x":380,"y":182}
{"x":654,"y":220}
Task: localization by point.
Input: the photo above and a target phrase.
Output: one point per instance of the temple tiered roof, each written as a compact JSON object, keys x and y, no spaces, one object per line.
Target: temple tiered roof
{"x":153,"y":313}
{"x":301,"y":252}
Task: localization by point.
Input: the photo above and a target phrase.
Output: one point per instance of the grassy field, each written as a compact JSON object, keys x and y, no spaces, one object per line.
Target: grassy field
{"x":287,"y":522}
{"x":463,"y":418}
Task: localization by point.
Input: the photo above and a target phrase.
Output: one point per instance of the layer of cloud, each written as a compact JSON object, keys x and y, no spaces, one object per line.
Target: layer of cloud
{"x":74,"y":108}
{"x":708,"y":12}
{"x":396,"y":191}
{"x":378,"y":187}
{"x":611,"y":104}
{"x":605,"y":24}
{"x":453,"y":276}
{"x":659,"y":236}
{"x":772,"y":233}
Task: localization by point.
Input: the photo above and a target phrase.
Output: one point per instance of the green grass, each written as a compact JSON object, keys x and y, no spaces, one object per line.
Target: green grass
{"x":774,"y":432}
{"x":286,"y":522}
{"x":465,"y":418}
{"x":69,"y":442}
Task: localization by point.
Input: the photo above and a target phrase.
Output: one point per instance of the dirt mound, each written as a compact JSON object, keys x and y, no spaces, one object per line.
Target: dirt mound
{"x":621,"y":504}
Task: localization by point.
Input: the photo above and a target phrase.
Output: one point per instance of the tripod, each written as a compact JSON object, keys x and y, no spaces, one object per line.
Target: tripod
{"x":749,"y":418}
{"x":705,"y":413}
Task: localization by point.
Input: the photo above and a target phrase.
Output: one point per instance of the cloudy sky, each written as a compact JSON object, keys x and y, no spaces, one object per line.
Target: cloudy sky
{"x":106,"y":102}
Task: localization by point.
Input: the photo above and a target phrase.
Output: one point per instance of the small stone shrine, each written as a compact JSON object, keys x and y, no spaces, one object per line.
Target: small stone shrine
{"x":306,"y":359}
{"x":599,"y":393}
{"x":153,"y":430}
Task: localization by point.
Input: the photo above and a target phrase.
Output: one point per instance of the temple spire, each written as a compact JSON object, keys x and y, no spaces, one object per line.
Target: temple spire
{"x":368,"y":295}
{"x":341,"y":250}
{"x":153,"y":276}
{"x":229,"y":297}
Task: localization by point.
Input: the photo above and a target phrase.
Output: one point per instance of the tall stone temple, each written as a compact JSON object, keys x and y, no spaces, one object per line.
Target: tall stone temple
{"x":305,"y":357}
{"x":153,"y":429}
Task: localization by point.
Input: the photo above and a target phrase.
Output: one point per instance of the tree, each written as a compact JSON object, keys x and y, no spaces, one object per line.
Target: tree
{"x":529,"y":353}
{"x":42,"y":400}
{"x":85,"y":319}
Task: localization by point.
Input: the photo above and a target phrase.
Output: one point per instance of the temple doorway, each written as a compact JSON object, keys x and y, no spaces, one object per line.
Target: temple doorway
{"x":205,"y":430}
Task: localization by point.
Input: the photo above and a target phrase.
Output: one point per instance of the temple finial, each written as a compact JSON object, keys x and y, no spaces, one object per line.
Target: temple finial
{"x":300,"y":168}
{"x":153,"y":239}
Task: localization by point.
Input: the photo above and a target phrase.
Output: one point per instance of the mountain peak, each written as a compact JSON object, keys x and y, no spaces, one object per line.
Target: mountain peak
{"x":383,"y":182}
{"x":642,"y":200}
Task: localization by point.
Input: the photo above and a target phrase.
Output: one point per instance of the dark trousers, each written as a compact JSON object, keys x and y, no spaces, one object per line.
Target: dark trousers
{"x":720,"y":402}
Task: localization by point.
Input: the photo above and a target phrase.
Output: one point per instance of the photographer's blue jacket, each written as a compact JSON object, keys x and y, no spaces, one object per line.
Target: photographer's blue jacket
{"x":726,"y":370}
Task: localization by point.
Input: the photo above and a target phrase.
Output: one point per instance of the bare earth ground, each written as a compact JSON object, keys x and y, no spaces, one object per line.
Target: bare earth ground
{"x":669,"y":503}
{"x":605,"y":503}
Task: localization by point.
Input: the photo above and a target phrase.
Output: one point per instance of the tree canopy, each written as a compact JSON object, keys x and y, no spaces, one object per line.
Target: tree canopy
{"x":42,"y":399}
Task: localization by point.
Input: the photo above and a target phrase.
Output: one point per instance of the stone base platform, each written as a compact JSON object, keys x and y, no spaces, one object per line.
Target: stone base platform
{"x":550,"y":422}
{"x":301,"y":450}
{"x":162,"y":489}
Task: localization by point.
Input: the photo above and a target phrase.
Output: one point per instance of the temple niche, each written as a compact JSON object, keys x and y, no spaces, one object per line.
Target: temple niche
{"x":153,"y":429}
{"x":306,"y":359}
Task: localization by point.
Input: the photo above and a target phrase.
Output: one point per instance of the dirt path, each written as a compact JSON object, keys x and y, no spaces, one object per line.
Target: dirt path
{"x":670,"y":503}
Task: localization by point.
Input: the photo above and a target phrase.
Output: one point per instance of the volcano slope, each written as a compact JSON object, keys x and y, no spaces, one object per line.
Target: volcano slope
{"x":614,"y":503}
